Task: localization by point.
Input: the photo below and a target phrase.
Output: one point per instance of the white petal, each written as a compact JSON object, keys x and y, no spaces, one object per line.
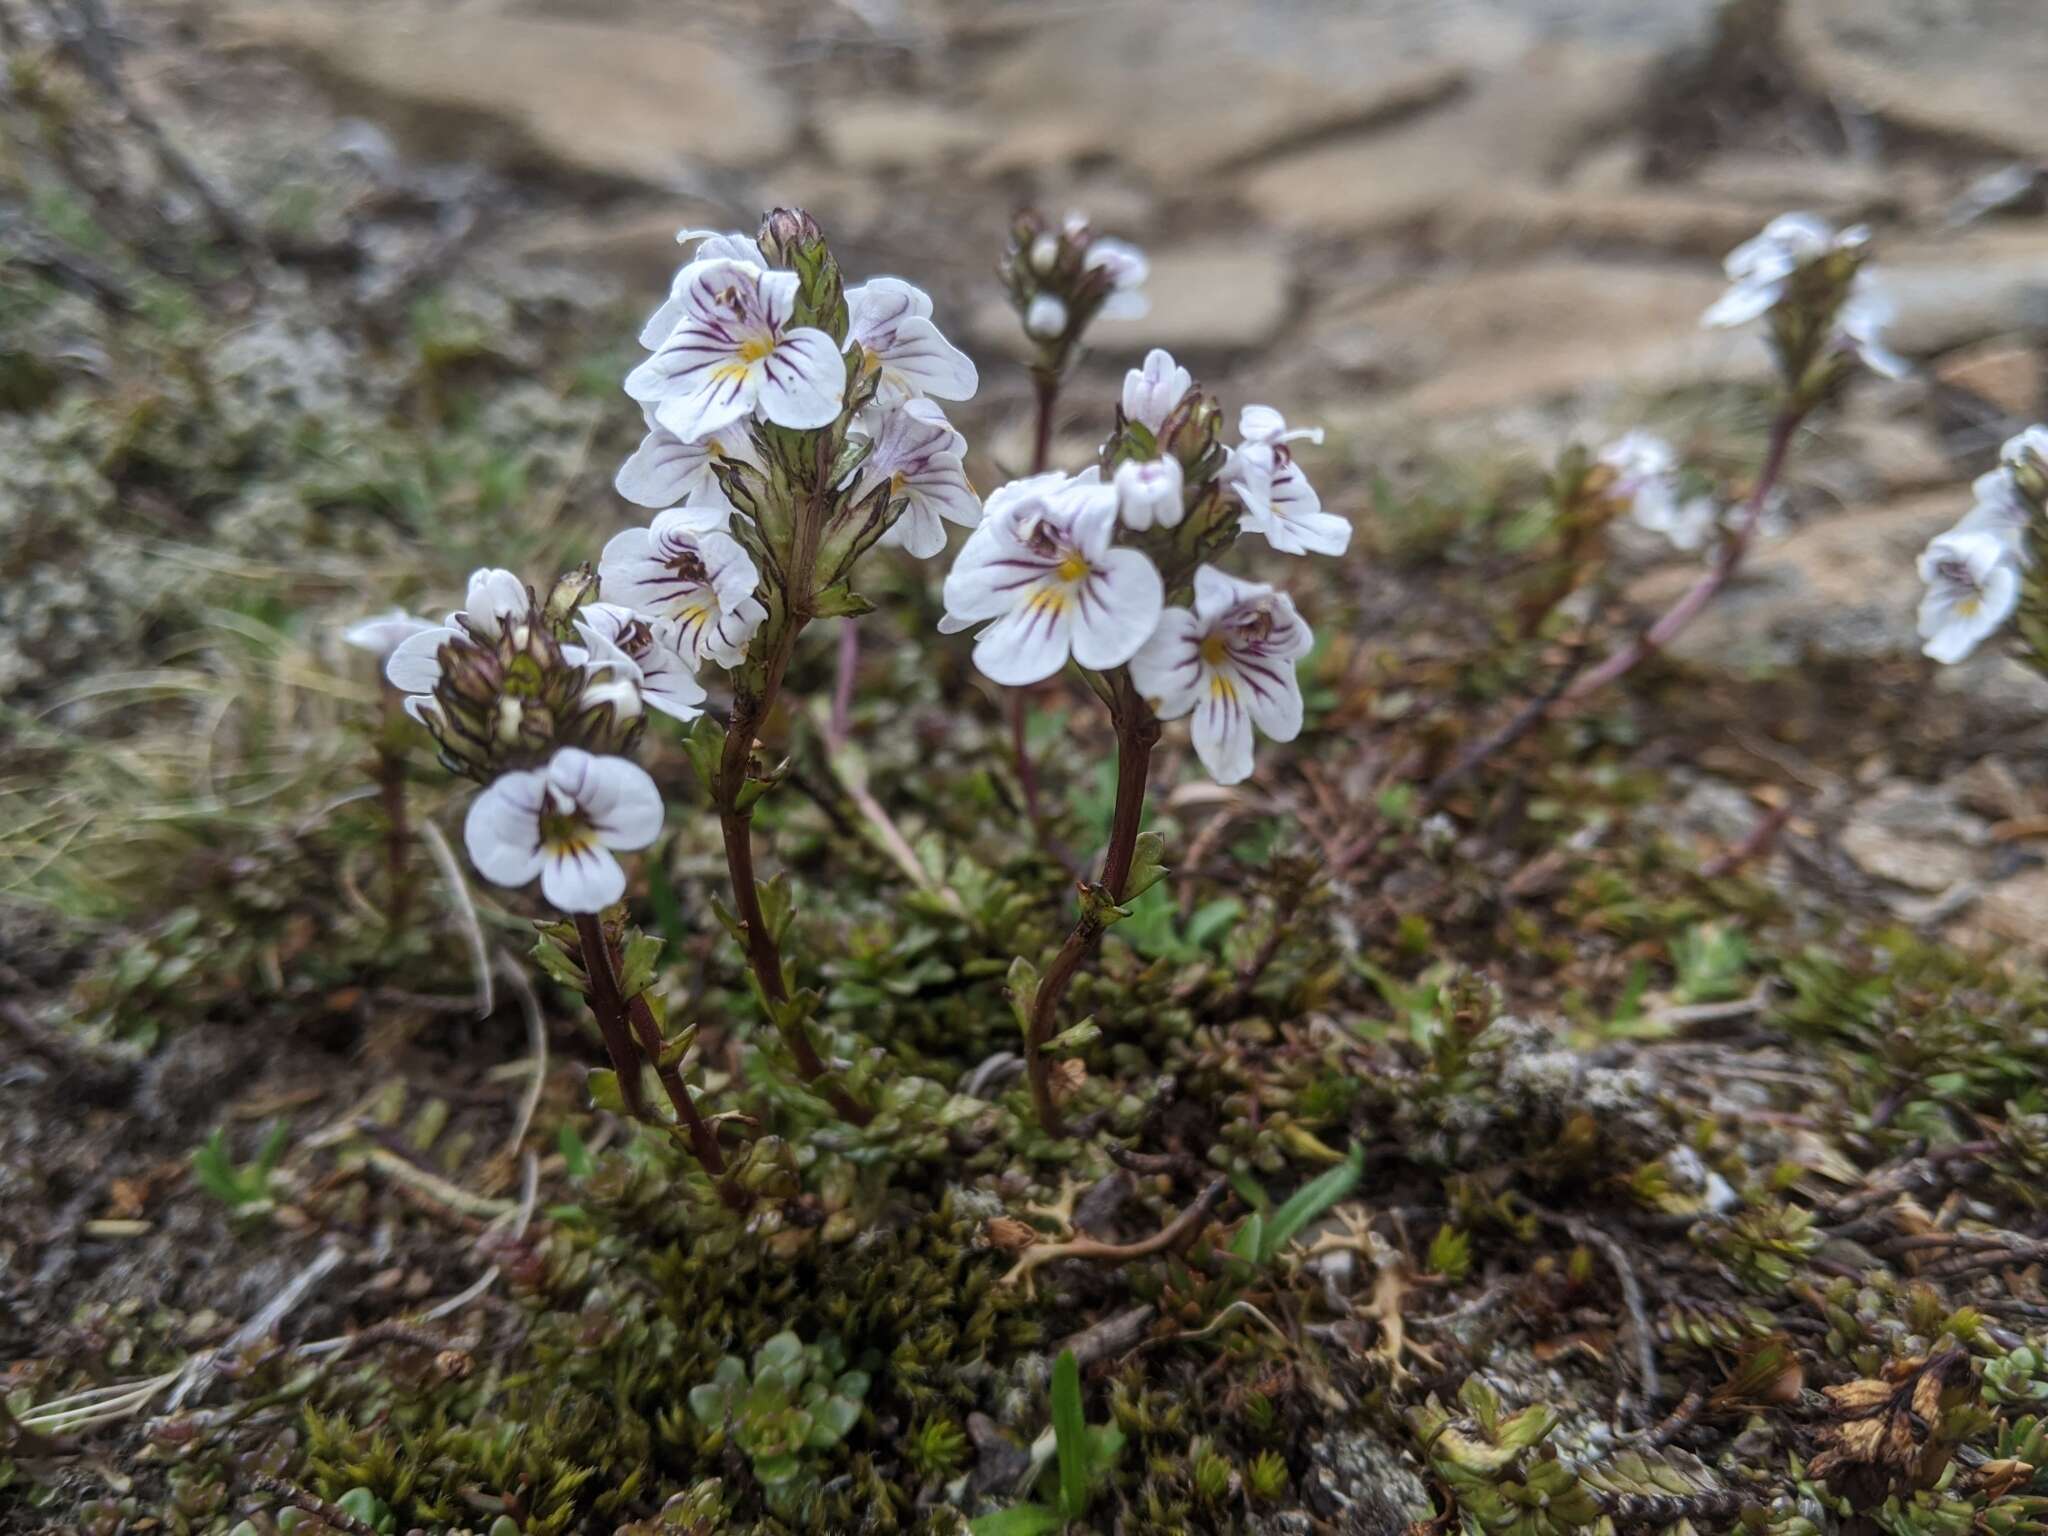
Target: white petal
{"x":585,"y":879}
{"x":1222,"y":731}
{"x":918,"y":532}
{"x":615,"y":794}
{"x":1116,"y":608}
{"x":665,"y":471}
{"x":1271,"y":691}
{"x":494,"y":596}
{"x":803,"y":381}
{"x":1742,"y":304}
{"x":385,"y":632}
{"x":502,"y":829}
{"x":1217,"y":592}
{"x":1027,"y":645}
{"x":1168,"y":669}
{"x":415,"y":666}
{"x":711,"y":393}
{"x":924,"y":361}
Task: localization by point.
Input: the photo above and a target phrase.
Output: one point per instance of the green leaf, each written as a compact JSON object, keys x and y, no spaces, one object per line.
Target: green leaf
{"x":1078,"y":1037}
{"x":603,"y":1084}
{"x":779,"y":1353}
{"x":1070,"y":1434}
{"x":1250,"y":1242}
{"x":839,"y":601}
{"x":1021,"y":1520}
{"x":575,"y":1155}
{"x":1310,"y":1201}
{"x":1146,"y":868}
{"x":636,"y":970}
{"x":1022,"y":984}
{"x":705,"y":743}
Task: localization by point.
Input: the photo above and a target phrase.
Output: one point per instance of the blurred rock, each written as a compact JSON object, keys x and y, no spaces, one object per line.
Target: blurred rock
{"x":637,"y":103}
{"x":1960,"y":68}
{"x":1219,"y":296}
{"x":1542,"y":330}
{"x":895,"y":132}
{"x":2004,"y":371}
{"x":1961,"y":289}
{"x":2013,"y":911}
{"x":1913,"y":835}
{"x":1510,"y":129}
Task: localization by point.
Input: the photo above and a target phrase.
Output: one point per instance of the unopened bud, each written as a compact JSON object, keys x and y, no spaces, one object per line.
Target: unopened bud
{"x":1045,"y":254}
{"x":784,"y":232}
{"x":1046,"y":319}
{"x":1190,"y":432}
{"x":572,"y":589}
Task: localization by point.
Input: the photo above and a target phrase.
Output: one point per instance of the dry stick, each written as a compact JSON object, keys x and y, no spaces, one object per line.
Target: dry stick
{"x":1094,"y":1248}
{"x":749,"y":710}
{"x":1518,"y":725}
{"x":1696,"y":597}
{"x":1137,"y":732}
{"x":332,"y":1516}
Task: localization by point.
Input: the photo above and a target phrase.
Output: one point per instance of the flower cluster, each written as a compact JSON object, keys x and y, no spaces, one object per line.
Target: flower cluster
{"x":1061,"y":277}
{"x":1080,"y":567}
{"x":1807,"y":279}
{"x":1974,"y":571}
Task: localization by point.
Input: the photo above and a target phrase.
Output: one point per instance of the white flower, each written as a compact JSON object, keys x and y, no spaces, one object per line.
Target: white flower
{"x":1973,"y":585}
{"x":414,"y":665}
{"x":734,"y":352}
{"x":562,"y":823}
{"x":2026,"y":448}
{"x":1151,"y":392}
{"x":1278,"y":500}
{"x":685,"y":568}
{"x":1646,"y":479}
{"x":665,"y":471}
{"x":1149,"y":493}
{"x":1127,"y":269}
{"x":1860,"y":326}
{"x":891,"y":322}
{"x":620,"y":639}
{"x":1759,"y":269}
{"x":1230,"y":662}
{"x":1042,"y":567}
{"x":711,"y":246}
{"x":1045,"y":319}
{"x":1692,"y":522}
{"x":383,"y":633}
{"x":917,"y":454}
{"x":1999,"y":510}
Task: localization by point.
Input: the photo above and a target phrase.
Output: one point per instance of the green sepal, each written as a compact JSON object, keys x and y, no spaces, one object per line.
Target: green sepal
{"x":839,"y":601}
{"x":1074,"y":1038}
{"x":638,"y":955}
{"x":1146,"y":868}
{"x":705,"y":742}
{"x":758,"y":785}
{"x":556,"y":951}
{"x":1022,"y":985}
{"x":603,"y":1084}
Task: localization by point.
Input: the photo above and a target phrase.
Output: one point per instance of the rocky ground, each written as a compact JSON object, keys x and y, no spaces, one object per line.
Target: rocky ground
{"x":370,"y":337}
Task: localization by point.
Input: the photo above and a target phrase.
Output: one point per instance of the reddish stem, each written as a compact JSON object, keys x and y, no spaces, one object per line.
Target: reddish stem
{"x":1137,"y":732}
{"x":1701,"y":592}
{"x":609,"y":1009}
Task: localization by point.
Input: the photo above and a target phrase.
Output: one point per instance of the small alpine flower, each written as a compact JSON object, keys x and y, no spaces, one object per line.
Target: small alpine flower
{"x":1148,"y":494}
{"x":1151,"y":392}
{"x":1973,"y":585}
{"x":383,"y":633}
{"x":1043,"y":569}
{"x":917,"y":454}
{"x":563,"y":824}
{"x":712,"y":245}
{"x":685,"y":568}
{"x":664,"y":471}
{"x":734,"y":352}
{"x":651,"y":649}
{"x":1278,"y":500}
{"x":891,"y":322}
{"x":1228,"y":661}
{"x":1122,"y":263}
{"x":1646,"y":482}
{"x":1761,"y":269}
{"x":413,"y":666}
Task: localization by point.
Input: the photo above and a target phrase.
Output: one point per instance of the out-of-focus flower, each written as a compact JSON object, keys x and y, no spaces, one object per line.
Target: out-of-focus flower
{"x":734,"y":352}
{"x":1046,"y":318}
{"x":1126,"y":267}
{"x":1973,"y":585}
{"x":564,"y":824}
{"x":1228,"y":661}
{"x":383,"y":633}
{"x":1777,"y":266}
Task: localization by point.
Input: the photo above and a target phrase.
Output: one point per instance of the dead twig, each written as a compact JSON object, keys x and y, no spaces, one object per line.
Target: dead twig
{"x":1186,"y":1223}
{"x":1583,"y":1231}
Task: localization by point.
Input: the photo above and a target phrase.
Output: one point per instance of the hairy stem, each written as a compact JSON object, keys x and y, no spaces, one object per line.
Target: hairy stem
{"x":1137,"y":732}
{"x":1017,"y":703}
{"x":609,"y":1008}
{"x":751,"y":706}
{"x":1701,"y":592}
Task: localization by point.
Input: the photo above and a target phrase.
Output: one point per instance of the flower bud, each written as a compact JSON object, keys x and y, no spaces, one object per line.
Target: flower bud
{"x":572,"y":589}
{"x":785,"y":231}
{"x":1190,"y":433}
{"x":1046,"y":318}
